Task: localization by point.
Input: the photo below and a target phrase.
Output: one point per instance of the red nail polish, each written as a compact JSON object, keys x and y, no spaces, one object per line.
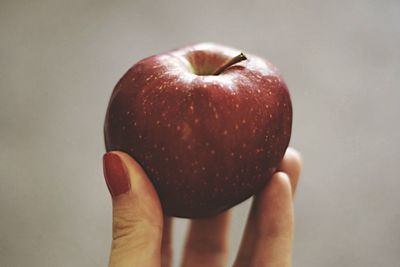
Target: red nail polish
{"x":116,"y":174}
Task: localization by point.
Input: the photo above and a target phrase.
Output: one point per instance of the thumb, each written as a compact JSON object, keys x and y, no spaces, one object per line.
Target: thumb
{"x":137,"y":213}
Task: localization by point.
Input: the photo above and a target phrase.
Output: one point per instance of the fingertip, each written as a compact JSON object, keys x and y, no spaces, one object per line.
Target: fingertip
{"x":141,"y":200}
{"x":293,"y":159}
{"x":127,"y":159}
{"x":276,"y":197}
{"x":115,"y":174}
{"x":279,"y":185}
{"x":138,"y":178}
{"x":141,"y":186}
{"x":291,"y":164}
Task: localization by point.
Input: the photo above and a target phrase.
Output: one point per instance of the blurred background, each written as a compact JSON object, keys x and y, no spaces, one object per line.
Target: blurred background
{"x":61,"y":59}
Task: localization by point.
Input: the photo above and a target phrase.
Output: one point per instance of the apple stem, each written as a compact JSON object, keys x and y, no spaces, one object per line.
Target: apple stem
{"x":229,"y":63}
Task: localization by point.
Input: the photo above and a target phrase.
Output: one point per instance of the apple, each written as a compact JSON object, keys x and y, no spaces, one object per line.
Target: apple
{"x":208,"y":124}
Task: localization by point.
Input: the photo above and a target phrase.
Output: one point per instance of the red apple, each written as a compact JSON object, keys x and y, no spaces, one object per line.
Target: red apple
{"x":208,"y":125}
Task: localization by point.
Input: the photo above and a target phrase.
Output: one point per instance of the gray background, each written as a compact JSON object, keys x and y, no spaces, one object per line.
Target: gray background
{"x":61,"y":59}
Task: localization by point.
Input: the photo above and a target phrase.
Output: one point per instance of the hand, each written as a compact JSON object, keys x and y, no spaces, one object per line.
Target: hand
{"x":142,"y":235}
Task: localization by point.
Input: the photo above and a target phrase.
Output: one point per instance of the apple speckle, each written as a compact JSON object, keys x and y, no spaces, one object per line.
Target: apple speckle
{"x":163,"y":148}
{"x":196,"y":120}
{"x":186,"y":131}
{"x":178,"y":128}
{"x":244,"y":121}
{"x":212,"y":152}
{"x":225,"y":132}
{"x":236,"y":126}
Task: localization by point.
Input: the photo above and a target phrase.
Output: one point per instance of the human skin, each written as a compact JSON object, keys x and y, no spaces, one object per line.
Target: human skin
{"x":142,"y":234}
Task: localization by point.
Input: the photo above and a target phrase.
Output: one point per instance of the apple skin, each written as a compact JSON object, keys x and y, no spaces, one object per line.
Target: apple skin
{"x":207,"y":142}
